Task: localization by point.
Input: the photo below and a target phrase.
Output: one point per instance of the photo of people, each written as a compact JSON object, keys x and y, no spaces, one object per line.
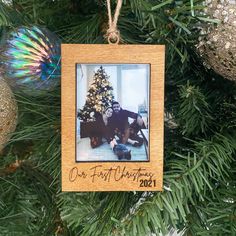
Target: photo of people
{"x":112,"y":112}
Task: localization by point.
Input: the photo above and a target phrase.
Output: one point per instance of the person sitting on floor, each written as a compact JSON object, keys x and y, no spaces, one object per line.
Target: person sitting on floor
{"x":121,"y":127}
{"x":102,"y":128}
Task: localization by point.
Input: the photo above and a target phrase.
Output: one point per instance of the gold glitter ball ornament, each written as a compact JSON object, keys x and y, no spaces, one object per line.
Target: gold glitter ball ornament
{"x":217,"y":44}
{"x":8,"y":113}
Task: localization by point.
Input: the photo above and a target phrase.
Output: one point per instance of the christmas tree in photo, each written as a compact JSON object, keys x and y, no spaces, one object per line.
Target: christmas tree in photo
{"x":99,"y":96}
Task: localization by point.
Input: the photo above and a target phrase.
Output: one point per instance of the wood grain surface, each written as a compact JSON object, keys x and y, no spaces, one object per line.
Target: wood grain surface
{"x":112,"y":176}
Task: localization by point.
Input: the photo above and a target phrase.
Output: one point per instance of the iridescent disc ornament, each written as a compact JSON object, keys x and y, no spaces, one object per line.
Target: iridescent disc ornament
{"x":8,"y":113}
{"x":217,"y":45}
{"x":31,"y":59}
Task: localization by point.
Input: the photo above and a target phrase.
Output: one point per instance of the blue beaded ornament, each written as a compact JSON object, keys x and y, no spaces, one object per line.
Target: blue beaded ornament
{"x":31,"y":59}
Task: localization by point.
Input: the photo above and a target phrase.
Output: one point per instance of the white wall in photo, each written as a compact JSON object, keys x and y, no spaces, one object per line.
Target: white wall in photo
{"x":129,"y":81}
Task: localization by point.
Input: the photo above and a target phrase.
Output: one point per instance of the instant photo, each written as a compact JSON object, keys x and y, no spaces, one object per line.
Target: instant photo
{"x":112,"y":112}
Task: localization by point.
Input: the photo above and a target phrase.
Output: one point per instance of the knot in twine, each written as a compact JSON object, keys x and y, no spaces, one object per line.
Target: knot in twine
{"x":113,"y":34}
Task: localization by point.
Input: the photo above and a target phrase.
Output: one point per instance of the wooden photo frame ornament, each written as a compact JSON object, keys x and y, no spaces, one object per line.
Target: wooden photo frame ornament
{"x":112,"y":176}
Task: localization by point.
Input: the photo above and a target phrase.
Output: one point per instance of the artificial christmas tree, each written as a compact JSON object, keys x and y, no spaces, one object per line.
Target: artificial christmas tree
{"x":199,"y":167}
{"x":99,"y":96}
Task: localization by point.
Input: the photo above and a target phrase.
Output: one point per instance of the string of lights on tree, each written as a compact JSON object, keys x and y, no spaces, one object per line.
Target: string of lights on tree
{"x":99,"y":96}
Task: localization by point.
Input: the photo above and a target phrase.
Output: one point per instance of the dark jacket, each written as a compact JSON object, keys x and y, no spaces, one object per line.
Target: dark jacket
{"x":120,"y":121}
{"x":102,"y":130}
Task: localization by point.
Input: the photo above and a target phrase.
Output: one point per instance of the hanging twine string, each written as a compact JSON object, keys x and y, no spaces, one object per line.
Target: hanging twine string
{"x":113,"y":34}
